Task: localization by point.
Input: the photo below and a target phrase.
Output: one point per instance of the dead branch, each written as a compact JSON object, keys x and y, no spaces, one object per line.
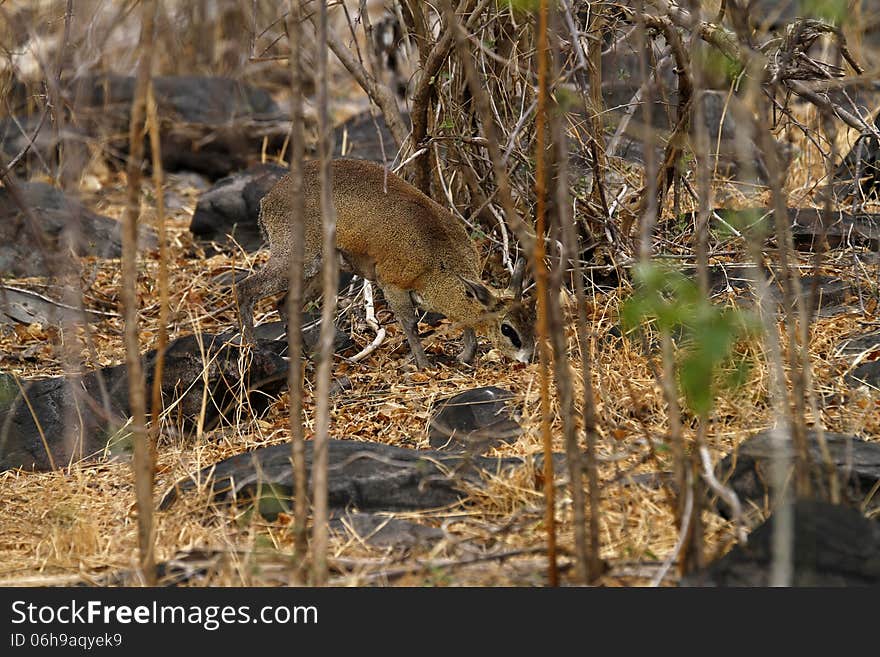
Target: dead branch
{"x":376,"y":90}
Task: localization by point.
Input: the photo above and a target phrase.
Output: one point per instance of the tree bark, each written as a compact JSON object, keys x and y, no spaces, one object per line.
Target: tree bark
{"x":295,"y":297}
{"x":330,"y":278}
{"x":143,"y":467}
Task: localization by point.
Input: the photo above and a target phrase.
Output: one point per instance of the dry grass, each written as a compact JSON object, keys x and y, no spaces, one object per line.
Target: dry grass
{"x":79,"y":522}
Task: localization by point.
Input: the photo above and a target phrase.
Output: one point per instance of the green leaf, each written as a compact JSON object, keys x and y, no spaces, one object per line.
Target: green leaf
{"x":719,"y":69}
{"x":753,"y":222}
{"x":272,"y":500}
{"x":830,"y":11}
{"x":8,"y":389}
{"x":522,"y":6}
{"x":565,"y":100}
{"x":706,"y":333}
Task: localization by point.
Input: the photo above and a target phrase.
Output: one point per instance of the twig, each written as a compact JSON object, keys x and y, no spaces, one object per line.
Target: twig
{"x":427,"y":566}
{"x":726,"y":494}
{"x":370,"y":312}
{"x":378,"y":92}
{"x":30,"y":142}
{"x":682,"y":537}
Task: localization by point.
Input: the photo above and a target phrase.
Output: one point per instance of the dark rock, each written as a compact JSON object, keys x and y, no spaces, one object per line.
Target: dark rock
{"x":860,"y":346}
{"x":341,"y":385}
{"x":733,"y":277}
{"x":474,"y":420}
{"x":864,"y":350}
{"x":824,"y":295}
{"x":209,"y":124}
{"x":232,"y":207}
{"x":198,"y":567}
{"x":722,"y":128}
{"x":258,"y":374}
{"x":274,"y":331}
{"x":621,"y":69}
{"x":277,"y":333}
{"x":382,"y":531}
{"x":775,"y":16}
{"x":212,"y":125}
{"x":101,"y":424}
{"x":866,"y":374}
{"x":188,"y":567}
{"x":365,"y":476}
{"x":811,"y":230}
{"x":21,"y":306}
{"x":860,"y":168}
{"x":431,"y":318}
{"x":857,"y":463}
{"x":41,"y":155}
{"x":67,"y":225}
{"x":833,"y":546}
{"x":364,"y":137}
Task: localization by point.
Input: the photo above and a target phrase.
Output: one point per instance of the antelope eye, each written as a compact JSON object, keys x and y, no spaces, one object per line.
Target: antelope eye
{"x":510,"y":333}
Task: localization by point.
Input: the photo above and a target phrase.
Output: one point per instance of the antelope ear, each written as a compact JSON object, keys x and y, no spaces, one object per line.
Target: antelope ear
{"x":478,"y":291}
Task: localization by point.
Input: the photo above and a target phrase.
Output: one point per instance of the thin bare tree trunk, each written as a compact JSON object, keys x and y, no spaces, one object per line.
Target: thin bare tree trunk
{"x":673,"y":414}
{"x":782,"y":567}
{"x":782,"y":541}
{"x":330,"y":276}
{"x":67,"y":170}
{"x":295,"y":297}
{"x":570,"y":240}
{"x":588,"y":552}
{"x":541,"y":276}
{"x":158,"y":183}
{"x":794,"y":309}
{"x":695,"y":552}
{"x":830,"y":130}
{"x":673,"y":150}
{"x":647,"y":218}
{"x":418,"y":26}
{"x":597,"y":105}
{"x":557,"y":324}
{"x":565,"y":391}
{"x":143,"y":467}
{"x":69,"y":276}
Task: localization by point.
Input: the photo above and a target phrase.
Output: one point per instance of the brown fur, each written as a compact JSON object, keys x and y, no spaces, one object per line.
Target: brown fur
{"x":389,"y":232}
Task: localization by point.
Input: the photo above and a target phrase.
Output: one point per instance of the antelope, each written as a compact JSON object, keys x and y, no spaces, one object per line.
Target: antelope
{"x":415,"y":250}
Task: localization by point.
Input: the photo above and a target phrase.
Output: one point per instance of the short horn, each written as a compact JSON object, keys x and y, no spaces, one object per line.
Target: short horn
{"x":516,"y":279}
